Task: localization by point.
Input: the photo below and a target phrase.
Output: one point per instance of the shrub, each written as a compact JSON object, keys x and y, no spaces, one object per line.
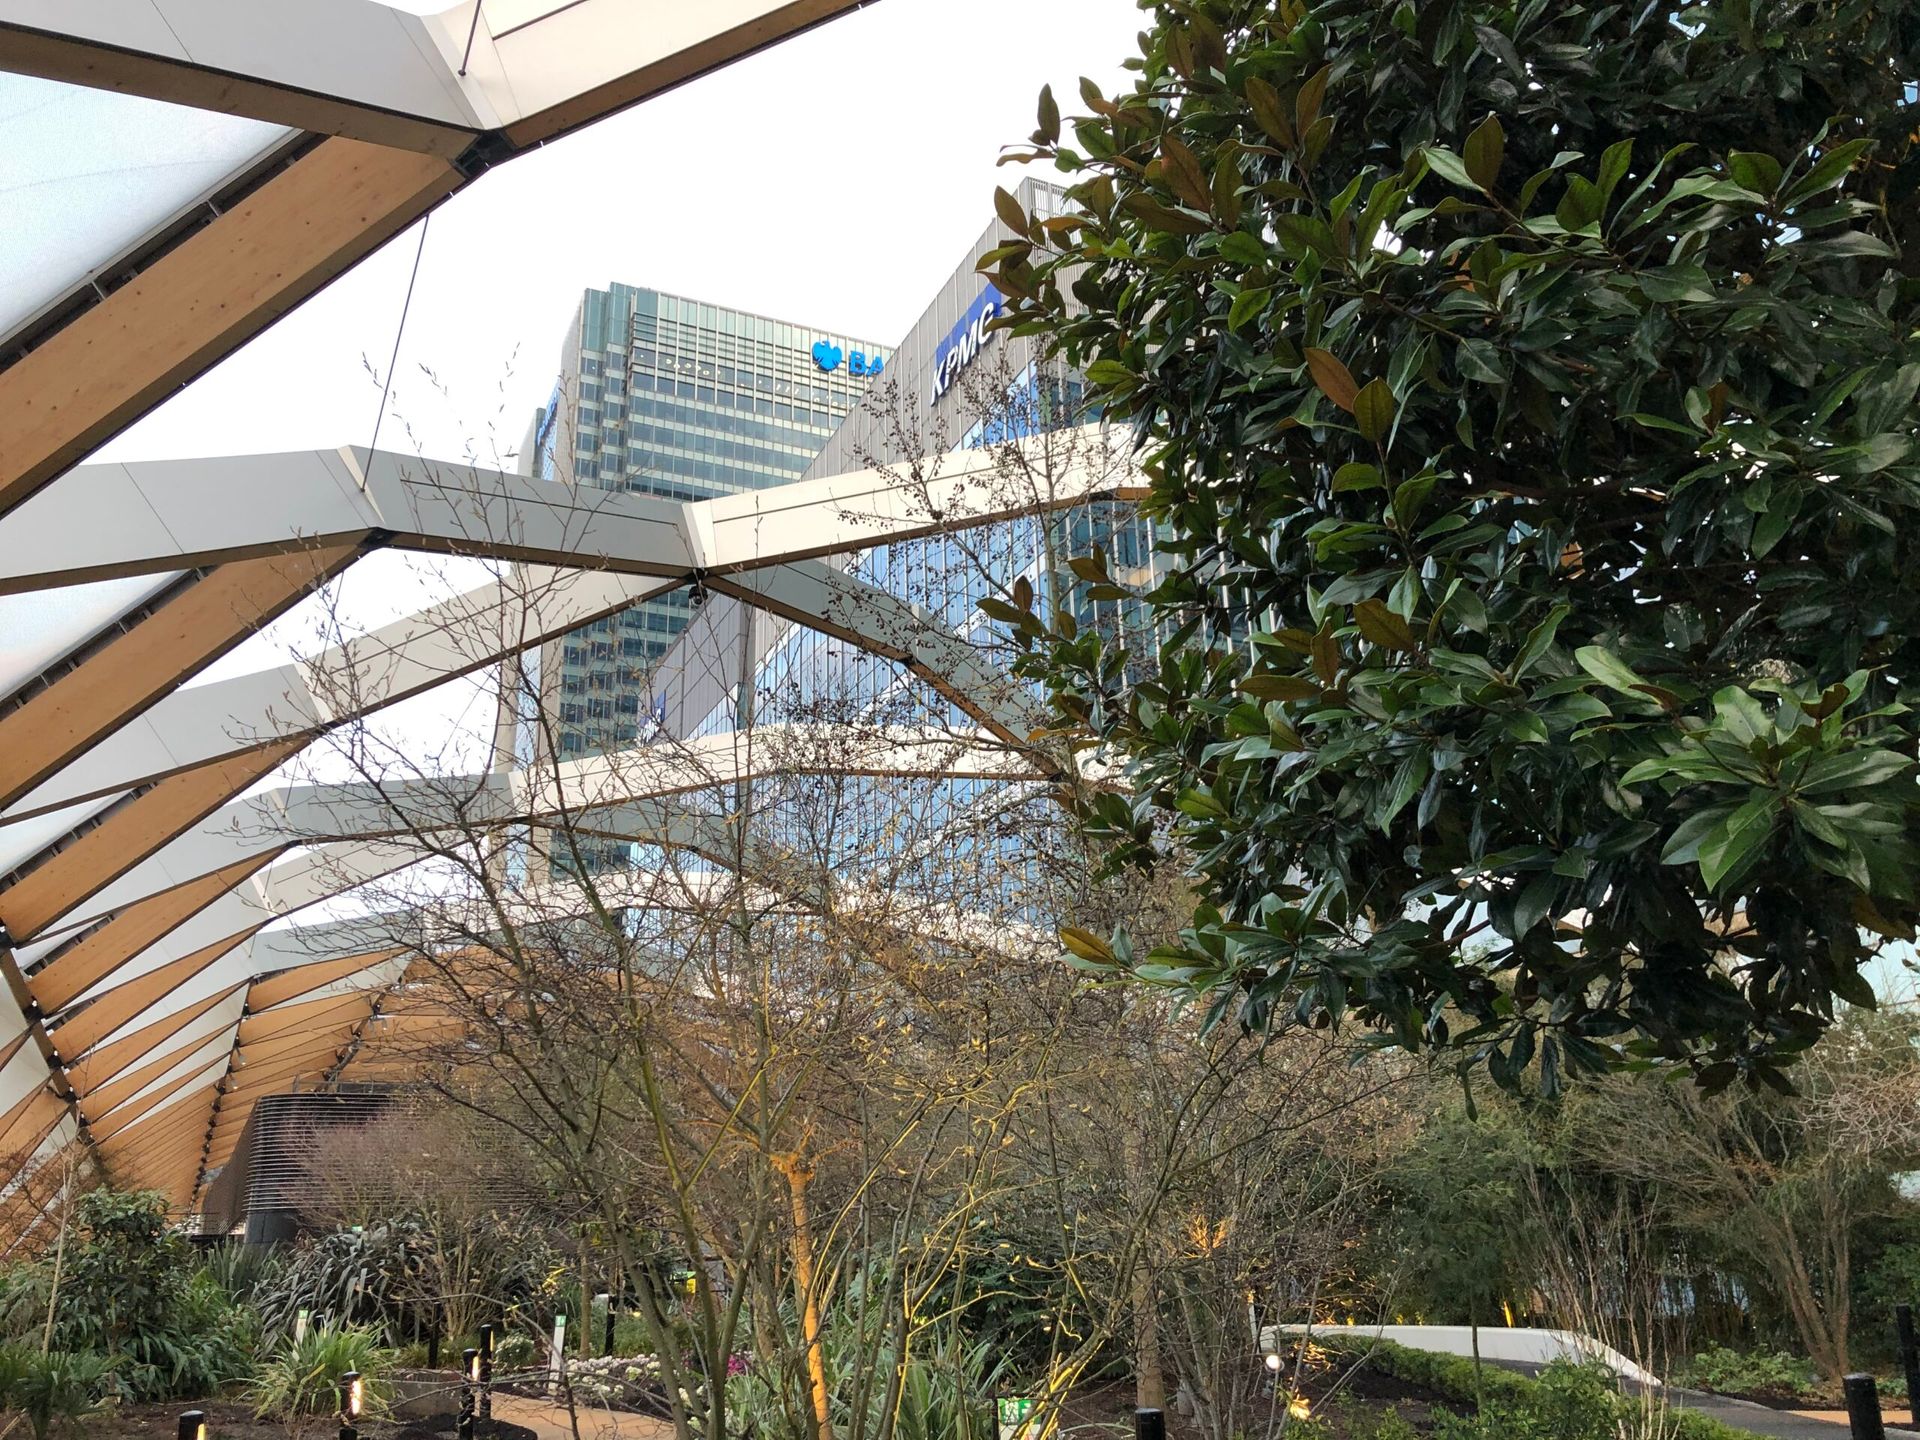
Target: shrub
{"x":240,"y":1271}
{"x":1567,"y":1402}
{"x":205,"y":1341}
{"x":1387,"y":1424}
{"x":299,"y":1379}
{"x":945,"y":1383}
{"x":1526,"y":394}
{"x":513,"y":1351}
{"x":351,"y":1277}
{"x":130,"y":1288}
{"x":1757,"y":1372}
{"x":59,"y":1389}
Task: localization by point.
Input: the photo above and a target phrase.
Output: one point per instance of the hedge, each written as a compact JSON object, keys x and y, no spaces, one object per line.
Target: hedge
{"x":1456,"y":1377}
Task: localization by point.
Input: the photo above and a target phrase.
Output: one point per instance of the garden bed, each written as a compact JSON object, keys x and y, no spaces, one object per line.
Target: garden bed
{"x":1511,"y":1399}
{"x":228,"y":1420}
{"x":1362,"y":1399}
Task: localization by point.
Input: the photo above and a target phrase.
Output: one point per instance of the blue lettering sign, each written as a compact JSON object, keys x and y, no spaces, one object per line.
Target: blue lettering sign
{"x":827,"y":356}
{"x":966,"y":340}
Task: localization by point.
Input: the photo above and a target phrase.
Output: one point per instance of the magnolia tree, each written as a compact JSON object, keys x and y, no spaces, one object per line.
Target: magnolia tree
{"x":1527,"y":391}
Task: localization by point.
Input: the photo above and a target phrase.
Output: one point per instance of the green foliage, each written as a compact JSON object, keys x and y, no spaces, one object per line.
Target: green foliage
{"x":58,"y":1390}
{"x":129,"y":1288}
{"x":299,"y":1379}
{"x":944,"y":1380}
{"x":1387,"y":1424}
{"x":24,"y":1288}
{"x":630,"y":1335}
{"x":368,"y":1276}
{"x":514,"y":1351}
{"x":1527,"y":392}
{"x":1566,"y":1402}
{"x":1756,"y":1372}
{"x":123,"y":1272}
{"x":240,"y":1271}
{"x":1459,"y":1222}
{"x":1006,"y":1293}
{"x":1455,"y":1376}
{"x":1888,"y":1274}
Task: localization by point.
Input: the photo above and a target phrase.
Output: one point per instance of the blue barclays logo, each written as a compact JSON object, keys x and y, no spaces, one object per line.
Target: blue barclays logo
{"x":827,"y":356}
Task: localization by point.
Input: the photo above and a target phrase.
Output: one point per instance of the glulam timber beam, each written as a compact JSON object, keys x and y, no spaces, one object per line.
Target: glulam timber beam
{"x":95,"y":1104}
{"x":274,"y":990}
{"x":97,"y":955}
{"x":102,"y":1063}
{"x":73,"y":1034}
{"x":129,"y":834}
{"x":391,"y":114}
{"x":156,"y":655}
{"x":323,"y":213}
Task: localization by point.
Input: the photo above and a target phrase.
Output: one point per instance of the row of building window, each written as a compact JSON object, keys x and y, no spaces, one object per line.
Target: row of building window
{"x":580,"y":742}
{"x":574,"y":713}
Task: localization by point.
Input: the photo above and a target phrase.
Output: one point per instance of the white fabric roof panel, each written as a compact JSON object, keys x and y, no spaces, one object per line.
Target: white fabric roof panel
{"x":85,"y":174}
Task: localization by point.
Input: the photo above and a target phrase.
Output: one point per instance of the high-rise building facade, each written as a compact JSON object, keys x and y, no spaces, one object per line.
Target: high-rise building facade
{"x":953,"y":383}
{"x":685,"y":400}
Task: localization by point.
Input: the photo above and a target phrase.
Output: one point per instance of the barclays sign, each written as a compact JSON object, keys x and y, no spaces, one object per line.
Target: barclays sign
{"x":966,"y":340}
{"x":827,"y":356}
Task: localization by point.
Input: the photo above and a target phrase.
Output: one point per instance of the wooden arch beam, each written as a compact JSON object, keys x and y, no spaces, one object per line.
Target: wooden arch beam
{"x":128,"y":835}
{"x":99,"y":1065}
{"x":76,"y":1033}
{"x":97,"y":955}
{"x":289,"y":984}
{"x":95,"y":1105}
{"x":201,"y":300}
{"x":127,"y":674}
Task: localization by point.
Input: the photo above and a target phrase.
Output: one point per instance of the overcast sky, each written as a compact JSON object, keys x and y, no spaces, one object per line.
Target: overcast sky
{"x":834,"y":180}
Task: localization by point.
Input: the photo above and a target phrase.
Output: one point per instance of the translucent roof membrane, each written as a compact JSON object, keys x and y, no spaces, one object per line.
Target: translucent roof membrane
{"x":37,"y":627}
{"x":23,"y":839}
{"x":85,"y":174}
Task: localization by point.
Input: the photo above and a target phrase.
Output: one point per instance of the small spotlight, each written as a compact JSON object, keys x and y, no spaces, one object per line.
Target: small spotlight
{"x":352,"y":1394}
{"x":193,"y":1425}
{"x":1273,"y":1361}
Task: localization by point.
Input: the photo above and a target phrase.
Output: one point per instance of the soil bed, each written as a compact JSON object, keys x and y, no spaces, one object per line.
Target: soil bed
{"x":227,"y":1420}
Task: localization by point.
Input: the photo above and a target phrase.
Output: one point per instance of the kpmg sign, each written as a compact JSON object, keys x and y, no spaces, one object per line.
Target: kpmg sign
{"x":964,"y":341}
{"x":827,"y":356}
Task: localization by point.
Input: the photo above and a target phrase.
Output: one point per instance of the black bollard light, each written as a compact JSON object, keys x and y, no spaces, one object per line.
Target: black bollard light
{"x":1149,"y":1424}
{"x":486,"y":1377}
{"x":469,"y":1384}
{"x":1863,"y":1408}
{"x":193,"y":1425}
{"x":608,"y":1350}
{"x":352,"y":1398}
{"x":1909,"y":1359}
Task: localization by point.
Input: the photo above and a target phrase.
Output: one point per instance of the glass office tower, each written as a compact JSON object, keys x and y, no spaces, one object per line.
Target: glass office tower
{"x":956,"y":386}
{"x":684,"y":400}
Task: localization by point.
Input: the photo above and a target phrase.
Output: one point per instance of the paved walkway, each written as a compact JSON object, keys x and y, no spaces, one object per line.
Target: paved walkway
{"x":549,"y":1421}
{"x":1788,"y":1424}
